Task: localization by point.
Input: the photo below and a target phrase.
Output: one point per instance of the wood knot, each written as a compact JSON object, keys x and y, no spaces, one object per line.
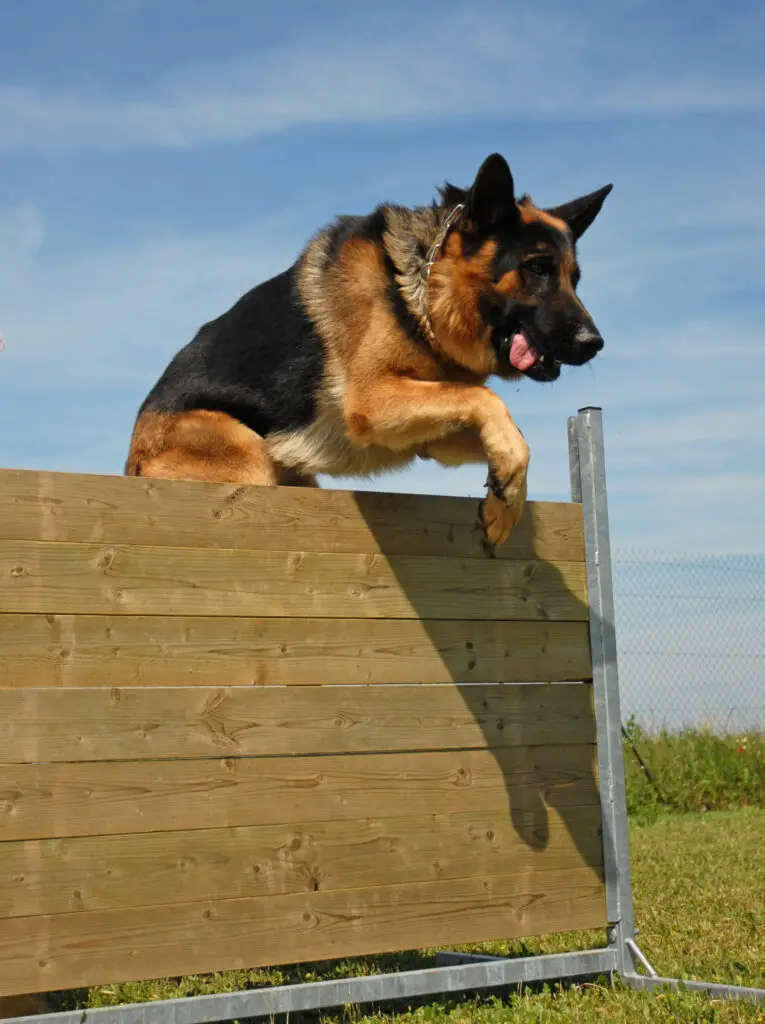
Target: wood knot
{"x":236,"y":494}
{"x":107,"y":560}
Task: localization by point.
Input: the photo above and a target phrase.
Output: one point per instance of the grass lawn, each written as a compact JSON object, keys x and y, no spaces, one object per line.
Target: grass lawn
{"x":699,"y":886}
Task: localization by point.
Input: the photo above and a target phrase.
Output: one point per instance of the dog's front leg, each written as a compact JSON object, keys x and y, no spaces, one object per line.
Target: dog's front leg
{"x":461,"y":447}
{"x":402,"y":414}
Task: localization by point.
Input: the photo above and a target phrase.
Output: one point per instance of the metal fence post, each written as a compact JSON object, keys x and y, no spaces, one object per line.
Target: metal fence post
{"x":588,"y":485}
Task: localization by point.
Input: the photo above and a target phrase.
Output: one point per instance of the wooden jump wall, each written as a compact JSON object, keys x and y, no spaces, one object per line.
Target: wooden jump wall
{"x":243,"y":726}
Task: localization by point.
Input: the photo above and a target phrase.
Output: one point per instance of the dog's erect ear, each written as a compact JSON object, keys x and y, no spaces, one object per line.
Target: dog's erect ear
{"x":491,"y":200}
{"x":580,"y":213}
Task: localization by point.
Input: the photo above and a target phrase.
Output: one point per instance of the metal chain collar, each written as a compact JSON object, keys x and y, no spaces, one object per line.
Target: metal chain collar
{"x":436,"y":246}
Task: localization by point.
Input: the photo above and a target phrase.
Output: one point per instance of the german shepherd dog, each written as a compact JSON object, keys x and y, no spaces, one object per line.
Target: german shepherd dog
{"x":374,"y":349}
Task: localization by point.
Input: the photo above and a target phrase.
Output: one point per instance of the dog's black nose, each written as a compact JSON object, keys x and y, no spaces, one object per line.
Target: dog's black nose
{"x":589,"y":342}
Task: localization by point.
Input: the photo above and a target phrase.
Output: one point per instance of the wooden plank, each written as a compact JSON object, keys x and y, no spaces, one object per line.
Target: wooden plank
{"x":50,"y":801}
{"x":152,"y":650}
{"x":61,"y":876}
{"x":71,"y":507}
{"x":91,"y":578}
{"x":118,"y":724}
{"x":78,"y":950}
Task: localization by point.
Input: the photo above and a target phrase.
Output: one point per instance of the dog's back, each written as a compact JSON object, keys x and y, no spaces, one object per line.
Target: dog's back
{"x":260,"y":363}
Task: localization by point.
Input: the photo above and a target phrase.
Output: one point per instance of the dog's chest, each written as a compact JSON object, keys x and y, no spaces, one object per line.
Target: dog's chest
{"x":323,"y":446}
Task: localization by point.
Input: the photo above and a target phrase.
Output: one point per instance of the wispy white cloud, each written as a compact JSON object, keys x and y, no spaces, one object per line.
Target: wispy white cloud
{"x":734,"y":421}
{"x":321,"y":81}
{"x":686,"y":94}
{"x":701,"y":489}
{"x":724,"y":340}
{"x":22,"y":231}
{"x":98,"y":314}
{"x":539,"y":65}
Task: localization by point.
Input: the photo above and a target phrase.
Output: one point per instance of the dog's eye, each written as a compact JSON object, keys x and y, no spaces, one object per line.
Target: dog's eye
{"x":540,"y":267}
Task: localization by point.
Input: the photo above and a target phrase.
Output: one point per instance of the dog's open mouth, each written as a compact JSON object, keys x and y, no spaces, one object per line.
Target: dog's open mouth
{"x":523,"y":356}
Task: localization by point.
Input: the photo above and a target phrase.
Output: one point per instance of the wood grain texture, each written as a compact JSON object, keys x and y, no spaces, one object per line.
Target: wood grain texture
{"x":61,"y":876}
{"x":120,"y":724}
{"x":91,"y":578}
{"x":83,"y":949}
{"x":36,"y":505}
{"x":49,"y":801}
{"x":152,"y":650}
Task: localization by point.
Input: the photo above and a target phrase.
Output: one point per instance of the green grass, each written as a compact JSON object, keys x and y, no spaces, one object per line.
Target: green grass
{"x":699,"y":886}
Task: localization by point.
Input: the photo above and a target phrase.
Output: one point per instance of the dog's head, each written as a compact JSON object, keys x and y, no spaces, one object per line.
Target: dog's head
{"x":502,"y":292}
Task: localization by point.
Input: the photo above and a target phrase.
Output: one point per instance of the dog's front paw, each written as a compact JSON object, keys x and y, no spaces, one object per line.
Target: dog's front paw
{"x":501,"y":509}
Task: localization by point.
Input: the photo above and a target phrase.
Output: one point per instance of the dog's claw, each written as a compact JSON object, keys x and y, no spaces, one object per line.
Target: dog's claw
{"x":488,"y":549}
{"x":493,"y":484}
{"x":498,"y":516}
{"x":486,"y":546}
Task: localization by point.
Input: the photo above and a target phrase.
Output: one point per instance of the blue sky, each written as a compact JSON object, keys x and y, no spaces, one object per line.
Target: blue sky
{"x":159,"y":157}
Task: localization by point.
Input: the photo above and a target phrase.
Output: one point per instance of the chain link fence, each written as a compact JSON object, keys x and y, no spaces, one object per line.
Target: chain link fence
{"x":691,"y":639}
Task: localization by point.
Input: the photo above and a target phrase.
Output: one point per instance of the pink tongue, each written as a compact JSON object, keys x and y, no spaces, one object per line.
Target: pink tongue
{"x":522,"y":355}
